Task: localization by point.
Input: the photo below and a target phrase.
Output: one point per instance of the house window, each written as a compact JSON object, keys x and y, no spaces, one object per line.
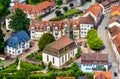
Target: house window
{"x":88,"y":68}
{"x":73,"y":53}
{"x":53,"y":60}
{"x":68,"y":55}
{"x":47,"y":58}
{"x":62,"y":59}
{"x":65,"y":57}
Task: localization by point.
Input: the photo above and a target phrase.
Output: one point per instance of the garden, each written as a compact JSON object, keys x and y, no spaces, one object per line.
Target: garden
{"x":35,"y":57}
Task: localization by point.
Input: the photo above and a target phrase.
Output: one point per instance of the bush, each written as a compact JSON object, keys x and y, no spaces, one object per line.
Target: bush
{"x":34,"y":56}
{"x":11,"y":68}
{"x":49,"y":66}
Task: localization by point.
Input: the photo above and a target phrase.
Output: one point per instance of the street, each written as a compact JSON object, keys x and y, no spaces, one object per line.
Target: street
{"x":103,"y":34}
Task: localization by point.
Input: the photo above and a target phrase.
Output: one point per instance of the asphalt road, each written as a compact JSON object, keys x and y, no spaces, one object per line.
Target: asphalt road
{"x":103,"y":34}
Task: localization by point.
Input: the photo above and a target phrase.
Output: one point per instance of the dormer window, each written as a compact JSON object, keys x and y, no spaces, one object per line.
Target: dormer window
{"x":56,"y":28}
{"x":74,"y":27}
{"x":48,"y":29}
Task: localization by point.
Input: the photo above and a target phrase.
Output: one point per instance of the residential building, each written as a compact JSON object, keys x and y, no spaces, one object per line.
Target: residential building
{"x":74,"y":28}
{"x":20,"y":1}
{"x":59,"y":52}
{"x":91,"y":62}
{"x":115,"y":11}
{"x":86,"y":23}
{"x":17,"y":43}
{"x":66,"y":1}
{"x":33,"y":11}
{"x":115,"y":21}
{"x":38,"y":28}
{"x":81,"y":2}
{"x":108,"y":4}
{"x":103,"y":75}
{"x":116,"y":45}
{"x":96,"y":11}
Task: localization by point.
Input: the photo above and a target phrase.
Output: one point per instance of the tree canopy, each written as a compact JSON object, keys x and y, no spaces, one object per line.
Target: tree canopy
{"x":19,"y":21}
{"x":4,"y":4}
{"x":58,"y":12}
{"x":65,"y":9}
{"x":2,"y":43}
{"x":71,"y":5}
{"x":94,"y":41}
{"x":45,"y":39}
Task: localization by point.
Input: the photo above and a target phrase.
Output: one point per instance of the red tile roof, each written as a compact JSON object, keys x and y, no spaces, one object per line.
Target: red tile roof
{"x":61,"y":43}
{"x":32,"y":8}
{"x":94,"y":9}
{"x":103,"y":75}
{"x":88,"y":58}
{"x":114,"y":19}
{"x":114,"y":30}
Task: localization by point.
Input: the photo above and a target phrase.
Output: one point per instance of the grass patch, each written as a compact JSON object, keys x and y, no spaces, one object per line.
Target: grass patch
{"x":11,"y":68}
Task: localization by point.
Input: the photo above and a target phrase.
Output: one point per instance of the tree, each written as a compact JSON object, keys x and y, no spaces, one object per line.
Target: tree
{"x":71,"y":5}
{"x":94,"y":41}
{"x":75,"y":70}
{"x":65,"y":9}
{"x":45,"y":39}
{"x":19,"y":21}
{"x":49,"y":66}
{"x":58,"y":2}
{"x":58,"y":13}
{"x":2,"y":43}
{"x":17,"y":60}
{"x":4,"y":4}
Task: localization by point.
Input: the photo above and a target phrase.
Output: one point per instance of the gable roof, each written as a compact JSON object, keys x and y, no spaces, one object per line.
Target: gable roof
{"x":61,"y":43}
{"x":94,"y":9}
{"x":115,"y":10}
{"x":17,"y":38}
{"x":87,"y":20}
{"x":114,"y":30}
{"x":92,"y":57}
{"x":32,"y":8}
{"x":103,"y":75}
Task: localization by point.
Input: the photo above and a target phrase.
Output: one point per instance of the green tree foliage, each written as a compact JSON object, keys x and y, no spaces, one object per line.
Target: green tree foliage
{"x":17,"y":61}
{"x":65,"y":9}
{"x":4,"y":4}
{"x":94,"y":41}
{"x":71,"y":5}
{"x":49,"y":66}
{"x":58,"y":12}
{"x":44,"y":40}
{"x":58,"y":2}
{"x":19,"y":21}
{"x":2,"y":43}
{"x":75,"y":70}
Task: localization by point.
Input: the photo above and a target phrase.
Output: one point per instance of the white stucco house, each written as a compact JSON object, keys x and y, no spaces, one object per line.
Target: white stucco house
{"x":91,"y":62}
{"x":17,"y":43}
{"x":59,"y":51}
{"x":86,"y":23}
{"x":7,"y":22}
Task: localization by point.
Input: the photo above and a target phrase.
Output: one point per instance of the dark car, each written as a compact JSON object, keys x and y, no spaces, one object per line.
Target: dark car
{"x":106,"y":28}
{"x":115,"y":74}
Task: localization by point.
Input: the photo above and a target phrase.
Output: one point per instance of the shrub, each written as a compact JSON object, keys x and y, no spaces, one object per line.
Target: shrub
{"x":78,"y":53}
{"x":49,"y":66}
